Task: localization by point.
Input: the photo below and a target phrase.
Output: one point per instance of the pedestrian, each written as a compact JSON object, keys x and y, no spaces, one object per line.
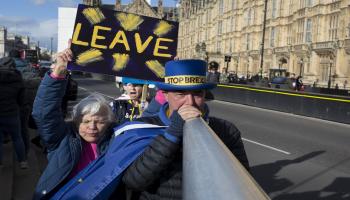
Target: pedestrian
{"x":336,"y":86}
{"x":11,"y":101}
{"x":344,"y":84}
{"x":155,"y":104}
{"x":298,"y":83}
{"x":130,"y":105}
{"x":31,"y":80}
{"x":157,"y":172}
{"x":71,"y":145}
{"x":213,"y":75}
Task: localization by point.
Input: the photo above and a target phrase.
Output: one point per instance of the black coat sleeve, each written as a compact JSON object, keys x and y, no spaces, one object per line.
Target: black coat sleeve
{"x":149,"y":166}
{"x":231,"y":137}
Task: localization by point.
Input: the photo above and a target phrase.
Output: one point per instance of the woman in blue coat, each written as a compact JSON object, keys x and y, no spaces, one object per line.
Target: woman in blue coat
{"x":71,"y":145}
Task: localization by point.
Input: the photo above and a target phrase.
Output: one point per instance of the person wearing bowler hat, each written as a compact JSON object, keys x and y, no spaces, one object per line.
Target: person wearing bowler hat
{"x":157,"y":172}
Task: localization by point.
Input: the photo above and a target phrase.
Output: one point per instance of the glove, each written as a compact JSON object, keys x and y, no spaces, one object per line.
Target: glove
{"x":176,"y":125}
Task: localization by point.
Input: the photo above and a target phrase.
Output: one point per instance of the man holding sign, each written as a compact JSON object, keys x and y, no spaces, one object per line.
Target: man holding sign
{"x":157,"y":172}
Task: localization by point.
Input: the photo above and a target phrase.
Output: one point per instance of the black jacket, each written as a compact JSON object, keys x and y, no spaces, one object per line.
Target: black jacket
{"x":11,"y":88}
{"x":157,"y":173}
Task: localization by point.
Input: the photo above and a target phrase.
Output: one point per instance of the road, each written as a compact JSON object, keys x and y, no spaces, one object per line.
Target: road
{"x":291,"y":157}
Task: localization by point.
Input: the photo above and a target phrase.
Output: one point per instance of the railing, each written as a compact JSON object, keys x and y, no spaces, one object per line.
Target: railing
{"x":323,"y":45}
{"x":210,"y":171}
{"x":281,"y":49}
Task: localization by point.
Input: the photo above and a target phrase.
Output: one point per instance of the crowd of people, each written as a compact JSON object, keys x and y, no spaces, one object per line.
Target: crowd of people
{"x":155,"y":172}
{"x":154,"y":167}
{"x":19,"y":82}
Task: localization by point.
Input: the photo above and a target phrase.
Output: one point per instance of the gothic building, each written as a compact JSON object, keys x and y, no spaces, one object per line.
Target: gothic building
{"x":92,"y":2}
{"x":141,"y":7}
{"x":310,"y":38}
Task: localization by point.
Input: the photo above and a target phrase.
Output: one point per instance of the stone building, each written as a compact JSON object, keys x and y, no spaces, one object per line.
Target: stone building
{"x":141,"y":7}
{"x":9,"y":41}
{"x":310,"y":38}
{"x":92,"y":2}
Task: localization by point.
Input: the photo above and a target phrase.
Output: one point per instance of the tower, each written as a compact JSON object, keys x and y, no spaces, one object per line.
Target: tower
{"x":92,"y":2}
{"x":118,"y":5}
{"x":160,"y":8}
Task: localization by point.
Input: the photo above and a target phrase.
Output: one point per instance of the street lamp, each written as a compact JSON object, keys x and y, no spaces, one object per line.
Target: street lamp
{"x":227,"y":60}
{"x":203,"y":48}
{"x":301,"y":62}
{"x":279,"y":67}
{"x":281,"y":62}
{"x":330,"y":73}
{"x":51,"y":47}
{"x":247,"y":69}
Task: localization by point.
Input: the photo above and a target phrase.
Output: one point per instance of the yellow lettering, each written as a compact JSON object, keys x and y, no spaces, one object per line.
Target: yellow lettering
{"x":95,"y":37}
{"x":181,"y":79}
{"x":76,"y":35}
{"x":120,"y":37}
{"x":157,"y":47}
{"x":139,"y":46}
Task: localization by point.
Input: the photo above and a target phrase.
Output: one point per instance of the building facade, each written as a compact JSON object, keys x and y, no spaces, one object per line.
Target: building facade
{"x":10,"y":41}
{"x":140,"y":7}
{"x":310,"y":38}
{"x":92,"y":2}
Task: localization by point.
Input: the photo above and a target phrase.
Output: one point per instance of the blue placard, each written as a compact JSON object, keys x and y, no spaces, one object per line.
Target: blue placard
{"x":122,"y":44}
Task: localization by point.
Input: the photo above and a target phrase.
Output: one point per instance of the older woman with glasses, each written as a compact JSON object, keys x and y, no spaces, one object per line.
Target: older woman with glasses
{"x":71,"y":145}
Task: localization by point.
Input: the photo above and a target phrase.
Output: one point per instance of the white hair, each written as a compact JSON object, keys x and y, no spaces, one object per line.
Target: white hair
{"x":92,"y":104}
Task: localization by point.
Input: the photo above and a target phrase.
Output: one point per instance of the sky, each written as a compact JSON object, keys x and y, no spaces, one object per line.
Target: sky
{"x":38,"y":18}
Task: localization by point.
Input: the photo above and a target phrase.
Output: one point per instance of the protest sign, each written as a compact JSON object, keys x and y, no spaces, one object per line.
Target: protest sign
{"x":122,"y":44}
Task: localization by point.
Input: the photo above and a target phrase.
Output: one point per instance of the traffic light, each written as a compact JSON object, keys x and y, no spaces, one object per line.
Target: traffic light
{"x":227,"y":58}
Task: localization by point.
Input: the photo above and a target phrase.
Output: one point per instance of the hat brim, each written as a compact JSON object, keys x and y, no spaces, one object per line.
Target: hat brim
{"x":167,"y":87}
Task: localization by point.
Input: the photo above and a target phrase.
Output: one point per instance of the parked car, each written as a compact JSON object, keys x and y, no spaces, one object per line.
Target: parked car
{"x":282,"y":82}
{"x":44,"y":66}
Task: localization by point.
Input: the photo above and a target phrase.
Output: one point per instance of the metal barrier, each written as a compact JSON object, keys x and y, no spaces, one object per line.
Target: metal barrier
{"x":210,"y":170}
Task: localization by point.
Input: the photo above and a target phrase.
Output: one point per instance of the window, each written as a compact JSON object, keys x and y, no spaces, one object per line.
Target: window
{"x":272,"y":37}
{"x":282,"y":7}
{"x":232,"y":24}
{"x":249,"y":20}
{"x":207,"y":18}
{"x":289,"y":35}
{"x":219,"y":28}
{"x":309,"y":3}
{"x":308,"y":36}
{"x":218,"y":46}
{"x":221,"y":7}
{"x":274,"y":8}
{"x":300,"y":31}
{"x":233,"y":4}
{"x":291,"y":6}
{"x":333,"y":27}
{"x":248,"y":41}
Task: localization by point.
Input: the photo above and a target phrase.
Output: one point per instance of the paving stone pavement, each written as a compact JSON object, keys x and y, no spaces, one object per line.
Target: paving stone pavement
{"x":16,"y":183}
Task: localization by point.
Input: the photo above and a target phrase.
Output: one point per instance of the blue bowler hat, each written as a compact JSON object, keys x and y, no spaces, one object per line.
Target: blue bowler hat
{"x":126,"y":80}
{"x":185,"y":75}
